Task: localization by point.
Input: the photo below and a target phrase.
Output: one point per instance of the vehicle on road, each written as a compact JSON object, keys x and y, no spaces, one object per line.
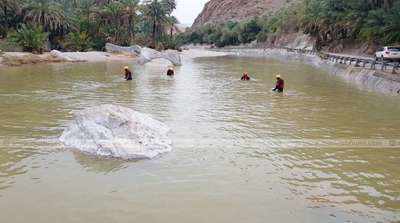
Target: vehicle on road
{"x":390,"y":53}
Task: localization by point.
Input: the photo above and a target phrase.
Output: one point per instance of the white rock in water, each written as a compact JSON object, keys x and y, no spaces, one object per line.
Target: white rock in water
{"x":148,"y":55}
{"x":116,"y":131}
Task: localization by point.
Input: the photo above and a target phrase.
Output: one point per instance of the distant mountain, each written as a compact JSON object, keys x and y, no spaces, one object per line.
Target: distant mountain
{"x":220,"y":11}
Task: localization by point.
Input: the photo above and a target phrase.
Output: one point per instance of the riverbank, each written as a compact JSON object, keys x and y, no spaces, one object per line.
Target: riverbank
{"x":365,"y":78}
{"x":22,"y":58}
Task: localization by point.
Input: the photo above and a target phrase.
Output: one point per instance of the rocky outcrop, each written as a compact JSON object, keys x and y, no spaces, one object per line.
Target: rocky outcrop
{"x":146,"y":54}
{"x":132,"y":50}
{"x":220,"y":11}
{"x":115,"y":131}
{"x":294,"y":40}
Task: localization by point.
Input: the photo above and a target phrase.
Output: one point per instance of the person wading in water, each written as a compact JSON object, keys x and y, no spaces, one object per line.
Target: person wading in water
{"x":170,"y":72}
{"x":128,"y":74}
{"x":280,"y":84}
{"x":245,"y":77}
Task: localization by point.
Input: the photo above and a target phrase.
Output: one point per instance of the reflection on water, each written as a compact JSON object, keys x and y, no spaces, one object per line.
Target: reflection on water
{"x":99,"y":165}
{"x":241,"y":152}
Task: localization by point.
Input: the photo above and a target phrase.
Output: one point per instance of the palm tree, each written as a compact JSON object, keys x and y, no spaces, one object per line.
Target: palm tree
{"x":172,"y":21}
{"x":6,"y":5}
{"x":111,"y":16}
{"x":49,"y":15}
{"x":130,"y":16}
{"x":10,"y":12}
{"x":158,"y":13}
{"x":392,"y":27}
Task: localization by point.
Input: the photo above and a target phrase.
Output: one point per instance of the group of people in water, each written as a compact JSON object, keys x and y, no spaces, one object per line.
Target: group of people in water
{"x":279,"y":87}
{"x":280,"y":83}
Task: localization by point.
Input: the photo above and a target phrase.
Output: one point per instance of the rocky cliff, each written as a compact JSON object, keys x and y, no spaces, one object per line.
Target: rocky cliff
{"x":220,"y":11}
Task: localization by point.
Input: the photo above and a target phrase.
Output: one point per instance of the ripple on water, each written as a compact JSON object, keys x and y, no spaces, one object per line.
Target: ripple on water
{"x":232,"y":139}
{"x":334,"y":168}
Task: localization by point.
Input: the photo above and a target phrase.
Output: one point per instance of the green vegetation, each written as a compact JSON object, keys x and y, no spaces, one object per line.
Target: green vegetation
{"x":329,"y":21}
{"x":38,"y":25}
{"x":31,"y":39}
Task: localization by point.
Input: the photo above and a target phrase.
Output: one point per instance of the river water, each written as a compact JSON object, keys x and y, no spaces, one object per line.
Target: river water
{"x":324,"y":151}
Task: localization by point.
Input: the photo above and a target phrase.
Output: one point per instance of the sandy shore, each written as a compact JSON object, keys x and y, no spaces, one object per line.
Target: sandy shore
{"x":19,"y":58}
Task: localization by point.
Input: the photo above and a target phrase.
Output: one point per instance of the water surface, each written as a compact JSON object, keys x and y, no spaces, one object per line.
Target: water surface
{"x":322,"y":152}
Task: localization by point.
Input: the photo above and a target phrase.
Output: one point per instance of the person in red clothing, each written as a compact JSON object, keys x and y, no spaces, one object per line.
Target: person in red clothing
{"x":128,"y":74}
{"x":280,"y":84}
{"x":245,"y":77}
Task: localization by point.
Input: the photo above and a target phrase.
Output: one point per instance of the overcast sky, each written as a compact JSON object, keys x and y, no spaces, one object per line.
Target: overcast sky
{"x":187,"y":10}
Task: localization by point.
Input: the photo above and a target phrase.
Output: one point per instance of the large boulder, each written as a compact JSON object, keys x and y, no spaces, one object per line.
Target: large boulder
{"x":146,"y":54}
{"x":132,"y":50}
{"x":119,"y":132}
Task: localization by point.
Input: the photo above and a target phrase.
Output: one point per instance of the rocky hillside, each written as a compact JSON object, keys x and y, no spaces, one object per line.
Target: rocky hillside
{"x":220,"y":11}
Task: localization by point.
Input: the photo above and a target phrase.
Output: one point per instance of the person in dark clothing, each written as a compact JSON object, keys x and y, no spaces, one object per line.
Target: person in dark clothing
{"x":280,"y":84}
{"x":170,"y":72}
{"x":128,"y":74}
{"x":245,"y":77}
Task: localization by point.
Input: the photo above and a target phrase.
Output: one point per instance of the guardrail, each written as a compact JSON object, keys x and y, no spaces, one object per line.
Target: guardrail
{"x":365,"y":62}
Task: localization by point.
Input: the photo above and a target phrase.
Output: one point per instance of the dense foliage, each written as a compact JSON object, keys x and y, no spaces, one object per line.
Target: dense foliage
{"x":29,"y":38}
{"x":330,"y":21}
{"x":86,"y":24}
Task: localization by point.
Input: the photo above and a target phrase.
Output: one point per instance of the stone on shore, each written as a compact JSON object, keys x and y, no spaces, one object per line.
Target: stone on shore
{"x":118,"y":132}
{"x":93,"y":56}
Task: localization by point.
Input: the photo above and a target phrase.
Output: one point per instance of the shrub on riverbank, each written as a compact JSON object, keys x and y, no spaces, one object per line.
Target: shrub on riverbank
{"x":32,"y":39}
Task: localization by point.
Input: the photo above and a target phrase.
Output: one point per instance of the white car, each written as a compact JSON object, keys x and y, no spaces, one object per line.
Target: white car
{"x":388,"y":53}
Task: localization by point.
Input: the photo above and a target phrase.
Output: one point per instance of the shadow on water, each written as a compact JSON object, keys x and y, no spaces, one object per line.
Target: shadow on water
{"x":99,"y":164}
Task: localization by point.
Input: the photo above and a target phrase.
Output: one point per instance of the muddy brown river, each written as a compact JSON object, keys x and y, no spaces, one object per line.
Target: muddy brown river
{"x":324,"y":151}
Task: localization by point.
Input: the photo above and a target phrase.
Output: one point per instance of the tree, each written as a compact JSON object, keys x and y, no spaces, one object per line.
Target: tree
{"x":158,"y":13}
{"x":130,"y":16}
{"x":78,"y":41}
{"x":49,"y":15}
{"x":392,"y":25}
{"x":10,"y":12}
{"x":248,"y":31}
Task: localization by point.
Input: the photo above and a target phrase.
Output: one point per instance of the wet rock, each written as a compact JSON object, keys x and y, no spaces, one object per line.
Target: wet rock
{"x":119,"y":132}
{"x":148,"y":55}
